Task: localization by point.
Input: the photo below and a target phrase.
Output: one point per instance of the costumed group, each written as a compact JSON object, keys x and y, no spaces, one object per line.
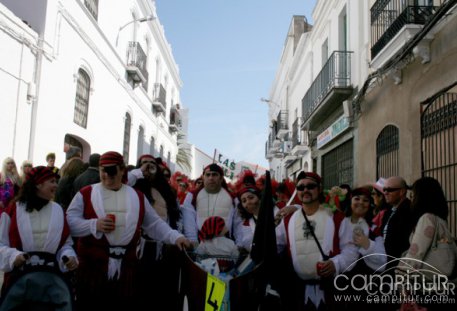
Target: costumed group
{"x":114,"y":242}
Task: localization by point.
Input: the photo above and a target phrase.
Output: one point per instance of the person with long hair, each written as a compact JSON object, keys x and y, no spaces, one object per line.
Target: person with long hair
{"x":65,"y":189}
{"x":429,"y":212}
{"x":158,"y":261}
{"x":9,"y":182}
{"x":34,"y":223}
{"x":158,"y":191}
{"x":248,"y":211}
{"x":26,"y":167}
{"x":379,"y":203}
{"x":355,"y":229}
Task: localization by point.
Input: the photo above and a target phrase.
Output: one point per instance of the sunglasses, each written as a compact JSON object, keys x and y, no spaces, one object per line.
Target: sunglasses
{"x":308,"y":186}
{"x":391,"y":189}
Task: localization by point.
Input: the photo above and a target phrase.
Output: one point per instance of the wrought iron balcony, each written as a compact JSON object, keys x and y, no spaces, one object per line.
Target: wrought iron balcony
{"x":282,"y":123}
{"x":331,"y":86}
{"x":299,"y":144}
{"x":159,"y":102}
{"x":136,"y":63}
{"x":388,"y":17}
{"x":296,"y":131}
{"x":271,"y":146}
{"x":174,"y":120}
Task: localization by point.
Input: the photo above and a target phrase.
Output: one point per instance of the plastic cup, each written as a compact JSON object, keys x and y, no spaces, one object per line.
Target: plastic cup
{"x":319,"y":267}
{"x":112,"y":217}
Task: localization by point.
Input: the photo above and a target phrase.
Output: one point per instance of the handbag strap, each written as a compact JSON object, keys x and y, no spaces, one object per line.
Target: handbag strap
{"x":311,"y":228}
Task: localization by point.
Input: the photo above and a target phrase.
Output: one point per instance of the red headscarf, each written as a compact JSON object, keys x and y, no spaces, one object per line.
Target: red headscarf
{"x":40,"y":174}
{"x":111,"y":158}
{"x":211,"y":228}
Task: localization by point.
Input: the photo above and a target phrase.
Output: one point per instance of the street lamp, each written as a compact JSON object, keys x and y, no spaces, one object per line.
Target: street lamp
{"x":143,"y":19}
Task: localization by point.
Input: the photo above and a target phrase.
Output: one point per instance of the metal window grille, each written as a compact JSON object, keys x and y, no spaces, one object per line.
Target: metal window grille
{"x":387,"y":152}
{"x":127,"y":127}
{"x":337,"y":166}
{"x":140,"y":141}
{"x":439,"y":148}
{"x":82,"y":99}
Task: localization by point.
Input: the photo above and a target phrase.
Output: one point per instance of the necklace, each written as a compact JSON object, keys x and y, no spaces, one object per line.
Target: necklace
{"x":214,"y":204}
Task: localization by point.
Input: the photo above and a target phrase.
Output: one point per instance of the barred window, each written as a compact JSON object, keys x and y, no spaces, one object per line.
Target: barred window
{"x":82,"y":99}
{"x":338,"y":165}
{"x":92,"y":7}
{"x":139,"y":151}
{"x":127,"y":127}
{"x":387,"y":148}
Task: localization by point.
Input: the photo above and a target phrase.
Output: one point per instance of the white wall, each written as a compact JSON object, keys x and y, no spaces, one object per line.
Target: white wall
{"x":17,"y":63}
{"x":73,"y":40}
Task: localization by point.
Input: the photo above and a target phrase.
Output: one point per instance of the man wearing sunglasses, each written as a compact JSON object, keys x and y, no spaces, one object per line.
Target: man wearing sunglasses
{"x":308,"y":258}
{"x":397,"y":222}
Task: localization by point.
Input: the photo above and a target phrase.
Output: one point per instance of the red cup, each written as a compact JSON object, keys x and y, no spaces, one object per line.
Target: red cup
{"x":112,"y":217}
{"x":319,"y":267}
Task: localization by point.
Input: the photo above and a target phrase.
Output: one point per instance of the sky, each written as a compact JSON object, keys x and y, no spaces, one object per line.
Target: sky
{"x":228,"y":53}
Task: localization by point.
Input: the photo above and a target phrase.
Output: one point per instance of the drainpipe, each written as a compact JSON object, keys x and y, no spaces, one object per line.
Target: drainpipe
{"x":36,"y":80}
{"x":19,"y":82}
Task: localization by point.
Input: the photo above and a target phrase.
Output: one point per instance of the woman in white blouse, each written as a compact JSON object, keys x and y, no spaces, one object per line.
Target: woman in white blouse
{"x":355,"y":229}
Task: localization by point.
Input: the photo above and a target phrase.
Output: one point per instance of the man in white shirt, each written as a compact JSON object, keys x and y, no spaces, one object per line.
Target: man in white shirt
{"x":212,"y":200}
{"x":107,"y":246}
{"x":310,"y":264}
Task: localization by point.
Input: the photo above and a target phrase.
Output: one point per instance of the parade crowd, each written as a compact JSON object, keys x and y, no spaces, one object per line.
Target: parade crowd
{"x":106,"y":236}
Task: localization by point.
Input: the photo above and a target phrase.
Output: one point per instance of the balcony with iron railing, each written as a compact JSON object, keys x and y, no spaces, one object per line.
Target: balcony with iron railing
{"x":271,"y":146}
{"x":174,"y":121}
{"x":388,"y":17}
{"x":296,"y":131}
{"x":299,"y":145}
{"x":159,"y":102}
{"x":282,"y":123}
{"x":136,"y":63}
{"x":330,"y":88}
{"x":285,"y":150}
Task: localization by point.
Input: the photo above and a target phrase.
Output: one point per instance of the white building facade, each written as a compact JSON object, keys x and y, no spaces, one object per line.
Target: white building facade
{"x":99,"y":75}
{"x":375,"y":86}
{"x":312,"y":128}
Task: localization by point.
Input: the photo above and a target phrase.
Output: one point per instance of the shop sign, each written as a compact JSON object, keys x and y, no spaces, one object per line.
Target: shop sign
{"x":338,"y":127}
